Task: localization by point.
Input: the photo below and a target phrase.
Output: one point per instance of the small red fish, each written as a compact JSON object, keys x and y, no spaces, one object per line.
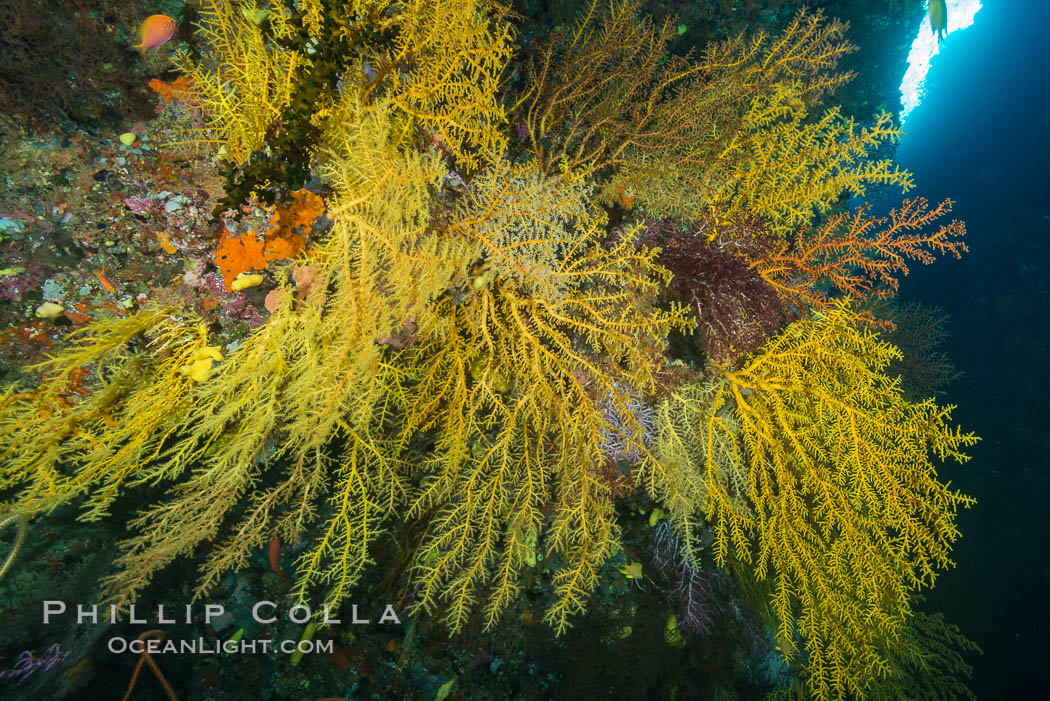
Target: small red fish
{"x":275,"y":556}
{"x":154,"y":32}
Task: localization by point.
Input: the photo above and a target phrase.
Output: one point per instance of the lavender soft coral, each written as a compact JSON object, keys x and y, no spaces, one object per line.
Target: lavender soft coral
{"x":690,"y":589}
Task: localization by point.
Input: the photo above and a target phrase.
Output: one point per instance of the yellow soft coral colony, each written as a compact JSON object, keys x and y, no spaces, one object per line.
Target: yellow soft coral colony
{"x":314,"y":373}
{"x":136,"y":400}
{"x":740,"y":129}
{"x":830,"y":491}
{"x":444,"y":70}
{"x":248,"y":80}
{"x":503,"y":388}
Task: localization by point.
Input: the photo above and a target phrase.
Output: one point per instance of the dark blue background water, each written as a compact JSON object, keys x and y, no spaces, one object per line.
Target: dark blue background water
{"x":981,"y":138}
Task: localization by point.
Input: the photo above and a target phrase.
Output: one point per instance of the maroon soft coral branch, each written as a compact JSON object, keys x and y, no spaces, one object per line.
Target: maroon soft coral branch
{"x":735,"y":308}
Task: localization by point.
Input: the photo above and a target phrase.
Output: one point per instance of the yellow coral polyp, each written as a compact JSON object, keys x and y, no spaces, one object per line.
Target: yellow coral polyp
{"x":212,"y":352}
{"x":198,"y":371}
{"x":245,"y":280}
{"x":200,"y":367}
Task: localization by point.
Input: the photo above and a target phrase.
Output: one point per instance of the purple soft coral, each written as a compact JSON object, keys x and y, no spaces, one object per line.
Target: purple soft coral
{"x":26,"y":663}
{"x":624,"y":420}
{"x":691,"y":590}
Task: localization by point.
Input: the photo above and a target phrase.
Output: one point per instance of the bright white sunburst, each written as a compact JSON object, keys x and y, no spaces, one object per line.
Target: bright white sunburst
{"x":926,"y":46}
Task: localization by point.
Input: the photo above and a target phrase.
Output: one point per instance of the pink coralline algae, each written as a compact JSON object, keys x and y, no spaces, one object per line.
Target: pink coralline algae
{"x":143,"y":205}
{"x":212,"y":283}
{"x":12,"y":287}
{"x":239,"y":308}
{"x":208,"y":283}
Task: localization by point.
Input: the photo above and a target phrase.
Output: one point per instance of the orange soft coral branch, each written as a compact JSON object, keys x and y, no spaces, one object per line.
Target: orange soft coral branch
{"x":857,"y":255}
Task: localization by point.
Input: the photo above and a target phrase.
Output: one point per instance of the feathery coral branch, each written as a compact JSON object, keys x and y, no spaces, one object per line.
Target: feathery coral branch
{"x":856,"y":255}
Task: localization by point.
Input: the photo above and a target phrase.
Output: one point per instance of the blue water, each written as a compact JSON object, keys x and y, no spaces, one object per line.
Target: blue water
{"x":981,"y":137}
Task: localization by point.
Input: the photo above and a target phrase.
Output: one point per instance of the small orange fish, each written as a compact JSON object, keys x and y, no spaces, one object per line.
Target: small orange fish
{"x":156,"y":30}
{"x":626,"y":201}
{"x":101,"y":275}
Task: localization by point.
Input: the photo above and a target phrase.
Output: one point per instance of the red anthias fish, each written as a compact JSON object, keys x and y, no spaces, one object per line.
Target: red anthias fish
{"x":275,"y":560}
{"x":156,"y":30}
